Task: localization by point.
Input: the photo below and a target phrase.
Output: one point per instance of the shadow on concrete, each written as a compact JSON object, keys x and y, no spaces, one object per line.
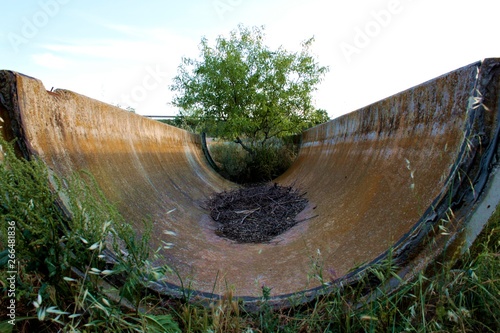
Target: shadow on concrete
{"x":379,"y":181}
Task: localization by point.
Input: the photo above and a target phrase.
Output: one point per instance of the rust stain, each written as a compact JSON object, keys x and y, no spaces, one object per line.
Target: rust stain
{"x":369,"y":176}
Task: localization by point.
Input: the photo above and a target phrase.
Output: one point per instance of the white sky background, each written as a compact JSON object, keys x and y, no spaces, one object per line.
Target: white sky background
{"x":127,"y":52}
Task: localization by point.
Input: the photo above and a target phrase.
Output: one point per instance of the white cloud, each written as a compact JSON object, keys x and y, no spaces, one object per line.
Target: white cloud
{"x":421,"y":40}
{"x":136,"y":44}
{"x":134,"y":69}
{"x":51,"y":61}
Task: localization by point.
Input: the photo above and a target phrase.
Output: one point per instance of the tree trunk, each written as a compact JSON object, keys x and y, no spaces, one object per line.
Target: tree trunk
{"x":244,"y":146}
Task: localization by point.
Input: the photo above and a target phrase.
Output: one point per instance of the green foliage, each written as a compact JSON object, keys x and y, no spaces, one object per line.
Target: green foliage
{"x":270,"y":161}
{"x":60,"y":256}
{"x":268,"y":322}
{"x":264,"y":163}
{"x":188,"y":123}
{"x":317,"y":117}
{"x":27,"y":200}
{"x":53,"y":297}
{"x":242,"y":89}
{"x":231,"y":159}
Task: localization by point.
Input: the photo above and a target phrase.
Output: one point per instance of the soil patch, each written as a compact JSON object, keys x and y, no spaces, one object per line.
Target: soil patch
{"x":256,"y":214}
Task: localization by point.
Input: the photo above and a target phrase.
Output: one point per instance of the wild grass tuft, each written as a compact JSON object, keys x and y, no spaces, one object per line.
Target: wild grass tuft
{"x":67,"y":282}
{"x":61,"y":255}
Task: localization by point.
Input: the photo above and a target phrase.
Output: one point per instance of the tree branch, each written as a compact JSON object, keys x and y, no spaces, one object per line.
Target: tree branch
{"x":244,"y":146}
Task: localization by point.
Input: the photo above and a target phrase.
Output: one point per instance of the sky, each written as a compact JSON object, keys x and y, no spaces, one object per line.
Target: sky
{"x":127,"y":52}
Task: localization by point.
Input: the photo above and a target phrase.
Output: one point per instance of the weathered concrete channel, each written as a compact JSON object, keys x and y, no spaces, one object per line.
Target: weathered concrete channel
{"x":382,"y":177}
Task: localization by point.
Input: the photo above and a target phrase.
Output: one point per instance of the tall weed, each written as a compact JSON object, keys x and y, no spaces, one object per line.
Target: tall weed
{"x":264,"y":163}
{"x":62,"y":255}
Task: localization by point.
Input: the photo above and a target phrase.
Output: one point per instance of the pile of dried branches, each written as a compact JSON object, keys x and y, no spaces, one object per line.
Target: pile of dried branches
{"x":256,"y":214}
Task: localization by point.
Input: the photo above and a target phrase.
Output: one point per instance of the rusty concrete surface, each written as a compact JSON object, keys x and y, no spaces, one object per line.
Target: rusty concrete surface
{"x":378,"y":178}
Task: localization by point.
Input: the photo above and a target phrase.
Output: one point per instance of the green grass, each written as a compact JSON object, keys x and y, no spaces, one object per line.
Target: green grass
{"x":266,"y":163}
{"x":60,"y":255}
{"x":61,"y":266}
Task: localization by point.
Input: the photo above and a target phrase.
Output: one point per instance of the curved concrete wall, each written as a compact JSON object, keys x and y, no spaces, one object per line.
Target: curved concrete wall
{"x":373,"y":173}
{"x":380,"y":177}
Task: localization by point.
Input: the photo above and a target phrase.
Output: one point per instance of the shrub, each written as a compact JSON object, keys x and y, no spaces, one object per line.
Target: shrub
{"x":263,"y":164}
{"x":231,"y":159}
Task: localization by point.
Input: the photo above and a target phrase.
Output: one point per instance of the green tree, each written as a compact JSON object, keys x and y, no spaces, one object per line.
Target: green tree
{"x":246,"y":92}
